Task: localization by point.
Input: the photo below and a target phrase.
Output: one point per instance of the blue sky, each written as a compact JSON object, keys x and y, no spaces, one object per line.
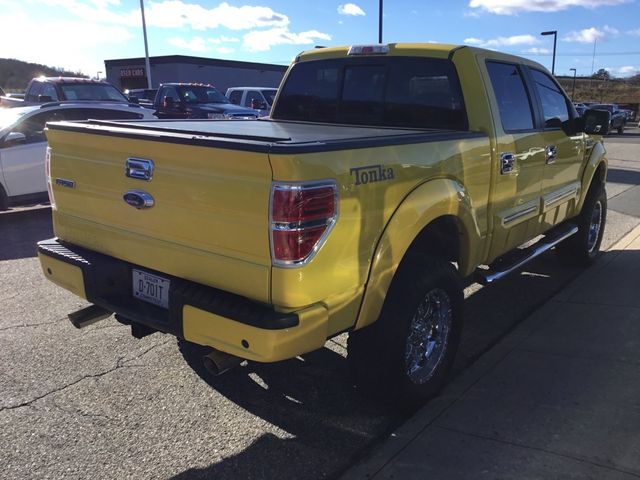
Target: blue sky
{"x":81,"y":34}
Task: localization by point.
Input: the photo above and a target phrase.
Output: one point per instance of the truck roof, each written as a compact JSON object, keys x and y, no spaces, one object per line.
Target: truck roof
{"x":67,"y":80}
{"x":433,"y":50}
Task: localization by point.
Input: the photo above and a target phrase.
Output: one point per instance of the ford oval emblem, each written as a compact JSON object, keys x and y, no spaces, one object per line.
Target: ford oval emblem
{"x":138,"y":199}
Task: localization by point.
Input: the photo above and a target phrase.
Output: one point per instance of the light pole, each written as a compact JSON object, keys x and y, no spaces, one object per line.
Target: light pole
{"x":146,"y":46}
{"x":98,"y":75}
{"x":380,"y":23}
{"x":555,"y":37}
{"x":573,"y":90}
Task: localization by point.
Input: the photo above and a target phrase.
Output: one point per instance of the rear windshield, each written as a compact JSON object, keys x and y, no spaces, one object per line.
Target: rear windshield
{"x":92,"y":91}
{"x":382,"y":91}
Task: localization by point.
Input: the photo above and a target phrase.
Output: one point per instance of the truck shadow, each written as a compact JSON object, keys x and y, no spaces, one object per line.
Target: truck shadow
{"x":313,"y":400}
{"x":22,"y":230}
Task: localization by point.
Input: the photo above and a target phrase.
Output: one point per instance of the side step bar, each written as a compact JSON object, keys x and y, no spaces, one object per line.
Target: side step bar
{"x":88,"y":315}
{"x":502,"y":269}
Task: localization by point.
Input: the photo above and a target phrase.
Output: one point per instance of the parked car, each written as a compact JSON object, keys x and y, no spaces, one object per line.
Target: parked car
{"x":2,"y":94}
{"x":190,"y":100}
{"x":23,"y":144}
{"x":580,"y":108}
{"x":258,"y":98}
{"x":617,"y":117}
{"x":54,"y":89}
{"x":143,"y":96}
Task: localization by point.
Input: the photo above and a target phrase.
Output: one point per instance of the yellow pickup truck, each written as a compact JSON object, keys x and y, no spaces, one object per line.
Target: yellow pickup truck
{"x":385,"y":175}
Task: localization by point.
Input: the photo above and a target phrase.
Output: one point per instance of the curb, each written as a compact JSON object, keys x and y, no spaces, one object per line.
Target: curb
{"x":22,"y":212}
{"x":397,"y":441}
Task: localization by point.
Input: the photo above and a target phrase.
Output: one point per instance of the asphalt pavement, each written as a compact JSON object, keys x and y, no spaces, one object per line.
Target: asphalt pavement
{"x":98,"y":403}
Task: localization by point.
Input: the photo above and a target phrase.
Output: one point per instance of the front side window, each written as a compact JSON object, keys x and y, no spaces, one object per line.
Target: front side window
{"x":269,"y":95}
{"x":554,"y":103}
{"x":410,"y":92}
{"x":511,"y":95}
{"x":49,"y":91}
{"x":253,"y":99}
{"x":235,"y":97}
{"x":33,"y":126}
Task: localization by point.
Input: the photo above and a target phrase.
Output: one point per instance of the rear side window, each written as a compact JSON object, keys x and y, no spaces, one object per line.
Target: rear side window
{"x":554,"y":103}
{"x":235,"y":97}
{"x":511,"y":95}
{"x":396,"y":92}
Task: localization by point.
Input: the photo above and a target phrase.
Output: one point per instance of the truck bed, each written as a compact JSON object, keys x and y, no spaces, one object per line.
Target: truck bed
{"x":263,"y":135}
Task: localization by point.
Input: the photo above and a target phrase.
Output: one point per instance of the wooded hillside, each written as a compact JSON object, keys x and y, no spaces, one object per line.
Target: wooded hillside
{"x":15,"y":74}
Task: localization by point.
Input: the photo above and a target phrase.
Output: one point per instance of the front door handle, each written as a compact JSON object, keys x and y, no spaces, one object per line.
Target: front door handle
{"x":507,"y":162}
{"x":551,"y":153}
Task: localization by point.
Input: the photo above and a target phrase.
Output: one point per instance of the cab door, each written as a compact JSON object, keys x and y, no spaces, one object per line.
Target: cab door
{"x":564,"y":151}
{"x":521,"y":156}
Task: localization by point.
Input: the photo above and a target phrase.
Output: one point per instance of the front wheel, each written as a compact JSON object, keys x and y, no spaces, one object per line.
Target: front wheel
{"x":583,"y":247}
{"x":404,"y":358}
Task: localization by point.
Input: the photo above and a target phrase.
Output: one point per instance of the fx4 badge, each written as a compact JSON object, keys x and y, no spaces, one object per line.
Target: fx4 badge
{"x":371,"y":174}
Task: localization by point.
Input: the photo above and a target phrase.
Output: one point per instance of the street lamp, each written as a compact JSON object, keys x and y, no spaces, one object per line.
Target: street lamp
{"x":146,"y":46}
{"x":573,"y":90}
{"x":98,"y":75}
{"x":380,"y":23}
{"x":555,"y":37}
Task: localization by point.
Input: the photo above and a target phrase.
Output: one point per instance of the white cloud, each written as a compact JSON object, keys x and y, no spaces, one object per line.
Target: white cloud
{"x":503,"y":41}
{"x":196,"y":44}
{"x":626,"y":71}
{"x":590,"y":35}
{"x":263,"y":40}
{"x":224,"y":50}
{"x":61,"y":47}
{"x":513,"y":7}
{"x":635,"y":32}
{"x":537,"y":51}
{"x":223,"y":39}
{"x":350,"y":9}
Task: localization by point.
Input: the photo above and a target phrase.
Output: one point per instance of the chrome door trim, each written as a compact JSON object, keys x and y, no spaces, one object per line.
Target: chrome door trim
{"x":559,"y":196}
{"x":522,"y":212}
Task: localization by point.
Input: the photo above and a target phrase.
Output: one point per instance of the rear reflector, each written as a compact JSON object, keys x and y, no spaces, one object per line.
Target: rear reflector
{"x":301,"y":217}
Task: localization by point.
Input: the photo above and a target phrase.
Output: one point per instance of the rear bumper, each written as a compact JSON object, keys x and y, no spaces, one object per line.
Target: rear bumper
{"x":200,"y":314}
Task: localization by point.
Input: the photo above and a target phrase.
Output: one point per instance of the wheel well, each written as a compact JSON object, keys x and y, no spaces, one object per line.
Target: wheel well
{"x":600,"y":174}
{"x":441,"y":238}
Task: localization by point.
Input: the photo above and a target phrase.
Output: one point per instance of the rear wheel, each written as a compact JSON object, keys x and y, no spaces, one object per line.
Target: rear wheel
{"x":404,"y":358}
{"x":583,"y":247}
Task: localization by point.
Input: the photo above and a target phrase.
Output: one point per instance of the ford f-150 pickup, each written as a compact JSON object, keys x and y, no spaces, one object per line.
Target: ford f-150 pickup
{"x":385,"y":175}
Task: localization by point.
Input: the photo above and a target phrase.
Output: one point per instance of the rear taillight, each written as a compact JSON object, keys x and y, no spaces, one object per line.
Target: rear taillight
{"x":301,"y":217}
{"x":47,"y":171}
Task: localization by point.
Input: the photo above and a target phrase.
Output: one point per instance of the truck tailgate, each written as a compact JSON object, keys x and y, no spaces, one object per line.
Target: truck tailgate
{"x":209,"y":220}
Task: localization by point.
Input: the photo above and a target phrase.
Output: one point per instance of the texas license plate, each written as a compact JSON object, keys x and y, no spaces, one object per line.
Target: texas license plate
{"x":151,"y":288}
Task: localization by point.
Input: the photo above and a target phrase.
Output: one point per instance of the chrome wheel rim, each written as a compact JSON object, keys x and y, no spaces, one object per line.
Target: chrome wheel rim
{"x":428,"y":336}
{"x":594,"y":227}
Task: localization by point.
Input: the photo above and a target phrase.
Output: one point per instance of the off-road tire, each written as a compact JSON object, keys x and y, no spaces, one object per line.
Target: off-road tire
{"x":379,"y":354}
{"x":583,"y":248}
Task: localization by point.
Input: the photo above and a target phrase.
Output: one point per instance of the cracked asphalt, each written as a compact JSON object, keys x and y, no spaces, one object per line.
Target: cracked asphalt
{"x":98,"y":403}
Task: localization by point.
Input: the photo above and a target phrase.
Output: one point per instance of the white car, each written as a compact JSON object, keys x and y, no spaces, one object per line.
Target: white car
{"x":23,"y":144}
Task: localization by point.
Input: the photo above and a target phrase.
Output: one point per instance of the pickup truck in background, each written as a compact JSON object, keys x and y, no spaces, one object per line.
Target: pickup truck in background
{"x":197,"y":100}
{"x":54,"y":89}
{"x":618,"y":117}
{"x":258,"y":98}
{"x":385,"y":176}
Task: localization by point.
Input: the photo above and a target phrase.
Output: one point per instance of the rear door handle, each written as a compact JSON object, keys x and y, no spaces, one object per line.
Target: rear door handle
{"x":551,"y":153}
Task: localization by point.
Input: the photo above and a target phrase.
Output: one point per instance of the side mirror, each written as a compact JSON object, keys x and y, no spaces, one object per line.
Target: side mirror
{"x":15,"y":138}
{"x":133,"y":99}
{"x":44,"y":98}
{"x":167,"y":102}
{"x":597,"y":122}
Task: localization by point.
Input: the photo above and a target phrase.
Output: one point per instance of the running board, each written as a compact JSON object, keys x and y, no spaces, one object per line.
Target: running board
{"x":500,"y":269}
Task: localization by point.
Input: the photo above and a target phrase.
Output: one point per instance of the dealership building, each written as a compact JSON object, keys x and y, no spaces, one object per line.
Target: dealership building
{"x":130,"y":73}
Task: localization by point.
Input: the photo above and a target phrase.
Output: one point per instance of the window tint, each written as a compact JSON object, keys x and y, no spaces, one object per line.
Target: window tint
{"x":554,"y":103}
{"x":34,"y":91}
{"x":269,"y":95}
{"x":235,"y":97}
{"x":50,"y":91}
{"x":33,"y":126}
{"x":399,"y":91}
{"x":513,"y":101}
{"x":251,"y":96}
{"x":171,"y":93}
{"x":92,"y":91}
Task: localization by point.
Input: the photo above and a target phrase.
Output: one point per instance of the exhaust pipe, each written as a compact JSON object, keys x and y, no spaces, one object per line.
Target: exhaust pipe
{"x":88,"y":315}
{"x":218,"y":362}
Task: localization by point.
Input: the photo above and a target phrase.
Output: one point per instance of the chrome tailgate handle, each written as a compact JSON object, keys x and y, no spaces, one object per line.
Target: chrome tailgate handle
{"x":507,"y":162}
{"x":551,"y":153}
{"x":139,"y":168}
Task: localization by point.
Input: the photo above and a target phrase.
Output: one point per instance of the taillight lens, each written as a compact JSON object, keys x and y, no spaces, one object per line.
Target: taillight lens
{"x":47,"y":171}
{"x":301,"y":218}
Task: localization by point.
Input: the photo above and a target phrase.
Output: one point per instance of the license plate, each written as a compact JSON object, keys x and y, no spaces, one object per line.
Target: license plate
{"x":151,"y":288}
